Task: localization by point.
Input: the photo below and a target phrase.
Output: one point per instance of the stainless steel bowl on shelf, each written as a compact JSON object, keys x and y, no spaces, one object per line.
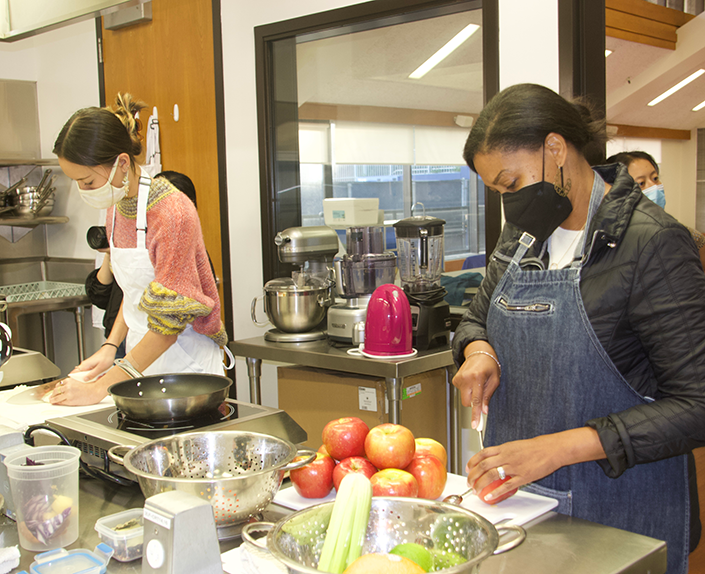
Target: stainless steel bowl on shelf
{"x":28,"y":202}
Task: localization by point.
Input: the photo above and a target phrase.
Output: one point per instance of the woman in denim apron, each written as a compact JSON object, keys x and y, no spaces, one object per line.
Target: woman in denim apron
{"x":563,"y":420}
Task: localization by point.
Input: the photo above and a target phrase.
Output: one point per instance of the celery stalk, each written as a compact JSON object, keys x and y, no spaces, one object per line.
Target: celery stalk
{"x":342,"y":544}
{"x":343,"y":537}
{"x":363,"y":504}
{"x":334,"y":526}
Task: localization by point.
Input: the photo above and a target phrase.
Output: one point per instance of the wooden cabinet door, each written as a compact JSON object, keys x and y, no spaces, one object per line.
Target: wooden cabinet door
{"x":170,"y":61}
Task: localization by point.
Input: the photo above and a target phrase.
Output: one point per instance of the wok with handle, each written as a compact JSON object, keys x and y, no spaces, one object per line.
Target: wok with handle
{"x":170,"y":397}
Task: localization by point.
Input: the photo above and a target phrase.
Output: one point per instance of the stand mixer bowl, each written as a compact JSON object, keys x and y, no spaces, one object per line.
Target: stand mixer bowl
{"x":296,"y":309}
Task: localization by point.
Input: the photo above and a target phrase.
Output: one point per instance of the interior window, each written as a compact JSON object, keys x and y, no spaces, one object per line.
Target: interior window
{"x":367,"y":111}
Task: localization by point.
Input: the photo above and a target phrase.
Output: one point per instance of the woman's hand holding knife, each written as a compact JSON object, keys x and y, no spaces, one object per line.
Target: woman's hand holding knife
{"x":478,"y":378}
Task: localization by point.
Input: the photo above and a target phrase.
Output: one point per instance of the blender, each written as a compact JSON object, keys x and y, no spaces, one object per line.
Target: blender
{"x":297,"y":305}
{"x":364,"y":267}
{"x":420,"y":262}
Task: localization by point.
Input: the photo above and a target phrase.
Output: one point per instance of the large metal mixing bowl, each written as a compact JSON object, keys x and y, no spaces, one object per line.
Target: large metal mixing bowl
{"x":455,"y":533}
{"x":238,"y":472}
{"x":292,"y":308}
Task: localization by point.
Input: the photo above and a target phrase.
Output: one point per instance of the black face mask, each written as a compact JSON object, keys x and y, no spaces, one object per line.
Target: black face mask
{"x":536,"y":209}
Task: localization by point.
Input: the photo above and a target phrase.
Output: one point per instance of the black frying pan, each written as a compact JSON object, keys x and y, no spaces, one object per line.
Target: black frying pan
{"x":170,"y":397}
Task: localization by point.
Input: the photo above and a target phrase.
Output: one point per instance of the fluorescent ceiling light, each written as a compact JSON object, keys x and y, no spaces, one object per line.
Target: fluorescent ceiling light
{"x":607,"y":53}
{"x":677,"y":87}
{"x":699,"y":107}
{"x":444,"y":52}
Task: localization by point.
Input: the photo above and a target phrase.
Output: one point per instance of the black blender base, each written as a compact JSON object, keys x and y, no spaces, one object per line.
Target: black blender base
{"x":431,"y":325}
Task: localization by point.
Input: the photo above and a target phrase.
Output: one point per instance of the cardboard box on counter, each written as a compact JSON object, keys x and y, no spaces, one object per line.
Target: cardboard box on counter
{"x":313,"y":397}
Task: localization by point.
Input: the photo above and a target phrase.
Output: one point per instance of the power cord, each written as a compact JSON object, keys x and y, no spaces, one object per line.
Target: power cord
{"x":91,"y":471}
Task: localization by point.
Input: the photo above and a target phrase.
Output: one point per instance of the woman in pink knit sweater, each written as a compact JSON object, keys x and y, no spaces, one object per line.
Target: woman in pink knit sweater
{"x":170,"y":315}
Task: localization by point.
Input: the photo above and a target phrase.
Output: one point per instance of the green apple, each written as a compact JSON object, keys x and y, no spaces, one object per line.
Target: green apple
{"x":416,"y":553}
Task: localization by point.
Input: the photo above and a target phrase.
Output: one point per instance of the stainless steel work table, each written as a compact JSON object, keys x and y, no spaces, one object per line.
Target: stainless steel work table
{"x":44,"y":306}
{"x":555,"y":543}
{"x":324,"y":355}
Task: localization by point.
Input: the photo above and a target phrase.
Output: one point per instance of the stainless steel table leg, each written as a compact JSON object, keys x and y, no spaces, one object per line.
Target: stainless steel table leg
{"x":45,"y":337}
{"x":394,"y":397}
{"x":455,"y":437}
{"x":78,"y":312}
{"x":254,"y":374}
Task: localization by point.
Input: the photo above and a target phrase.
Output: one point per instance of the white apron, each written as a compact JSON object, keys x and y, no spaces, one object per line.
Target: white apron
{"x":133,"y":270}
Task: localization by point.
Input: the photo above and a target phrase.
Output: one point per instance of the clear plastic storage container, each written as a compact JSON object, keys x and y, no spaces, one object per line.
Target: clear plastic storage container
{"x":123,"y":532}
{"x":44,"y":484}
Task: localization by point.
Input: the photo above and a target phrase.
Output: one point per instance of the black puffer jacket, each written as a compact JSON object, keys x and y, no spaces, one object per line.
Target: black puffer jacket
{"x":643,"y":289}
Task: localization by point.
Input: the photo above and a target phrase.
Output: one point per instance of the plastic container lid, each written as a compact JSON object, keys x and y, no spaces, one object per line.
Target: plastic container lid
{"x":78,"y":561}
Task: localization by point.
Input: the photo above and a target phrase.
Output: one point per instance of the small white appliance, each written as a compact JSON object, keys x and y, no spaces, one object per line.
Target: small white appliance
{"x":180,"y":536}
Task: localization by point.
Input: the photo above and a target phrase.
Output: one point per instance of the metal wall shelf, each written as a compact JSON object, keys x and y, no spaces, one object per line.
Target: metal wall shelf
{"x":43,"y":162}
{"x":32,"y":221}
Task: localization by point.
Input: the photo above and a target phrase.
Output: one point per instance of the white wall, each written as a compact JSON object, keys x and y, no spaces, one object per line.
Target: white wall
{"x":528,"y":43}
{"x":65,"y":66}
{"x":238,"y":21}
{"x":679,"y":175}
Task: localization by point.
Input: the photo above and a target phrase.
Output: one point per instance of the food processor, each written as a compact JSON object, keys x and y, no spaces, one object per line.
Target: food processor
{"x":420,"y":262}
{"x":364,"y":267}
{"x":297,"y":305}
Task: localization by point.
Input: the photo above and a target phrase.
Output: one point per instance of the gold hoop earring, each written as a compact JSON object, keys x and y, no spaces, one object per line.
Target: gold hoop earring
{"x":562,"y":188}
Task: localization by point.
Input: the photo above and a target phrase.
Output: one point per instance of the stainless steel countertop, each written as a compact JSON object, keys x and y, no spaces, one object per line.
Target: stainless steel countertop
{"x":555,"y":543}
{"x":326,"y":355}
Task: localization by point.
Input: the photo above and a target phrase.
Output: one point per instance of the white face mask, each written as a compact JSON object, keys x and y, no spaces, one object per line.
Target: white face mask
{"x":106,"y":195}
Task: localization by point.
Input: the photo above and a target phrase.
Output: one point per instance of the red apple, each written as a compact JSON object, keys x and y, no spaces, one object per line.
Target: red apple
{"x":315,"y":480}
{"x":352,"y":464}
{"x":491,"y":486}
{"x":394,"y":482}
{"x":426,"y":446}
{"x":431,"y":475}
{"x":390,"y":446}
{"x":345,"y":437}
{"x":322,"y":450}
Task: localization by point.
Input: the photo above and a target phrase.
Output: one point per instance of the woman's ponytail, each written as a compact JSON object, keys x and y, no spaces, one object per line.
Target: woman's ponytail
{"x":126,"y":109}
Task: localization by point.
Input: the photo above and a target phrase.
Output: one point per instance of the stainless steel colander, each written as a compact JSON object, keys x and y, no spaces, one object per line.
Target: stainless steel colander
{"x":457,"y":535}
{"x":238,"y":472}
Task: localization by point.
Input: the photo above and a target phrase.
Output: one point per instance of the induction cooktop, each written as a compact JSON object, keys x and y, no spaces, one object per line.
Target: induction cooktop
{"x":95,"y":432}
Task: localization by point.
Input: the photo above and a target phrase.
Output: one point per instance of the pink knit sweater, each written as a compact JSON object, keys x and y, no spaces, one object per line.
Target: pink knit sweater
{"x":183,"y":290}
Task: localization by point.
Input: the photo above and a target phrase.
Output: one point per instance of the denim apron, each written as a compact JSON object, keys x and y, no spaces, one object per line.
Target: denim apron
{"x":556,"y":376}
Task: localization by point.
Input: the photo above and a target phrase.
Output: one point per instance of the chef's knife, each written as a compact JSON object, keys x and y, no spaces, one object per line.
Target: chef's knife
{"x":43,"y":389}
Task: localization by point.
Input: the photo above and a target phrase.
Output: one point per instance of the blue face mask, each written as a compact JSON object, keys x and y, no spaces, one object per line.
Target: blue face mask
{"x":655,"y":194}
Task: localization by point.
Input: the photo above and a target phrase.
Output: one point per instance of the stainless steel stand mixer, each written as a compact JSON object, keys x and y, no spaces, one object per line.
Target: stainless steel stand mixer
{"x":297,"y":305}
{"x":366,"y":266}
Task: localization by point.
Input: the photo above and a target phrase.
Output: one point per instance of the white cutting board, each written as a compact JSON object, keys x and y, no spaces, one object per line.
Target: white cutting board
{"x":19,"y":408}
{"x":519,"y":509}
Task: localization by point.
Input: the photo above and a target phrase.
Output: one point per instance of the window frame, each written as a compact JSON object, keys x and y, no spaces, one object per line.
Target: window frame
{"x":355,"y":17}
